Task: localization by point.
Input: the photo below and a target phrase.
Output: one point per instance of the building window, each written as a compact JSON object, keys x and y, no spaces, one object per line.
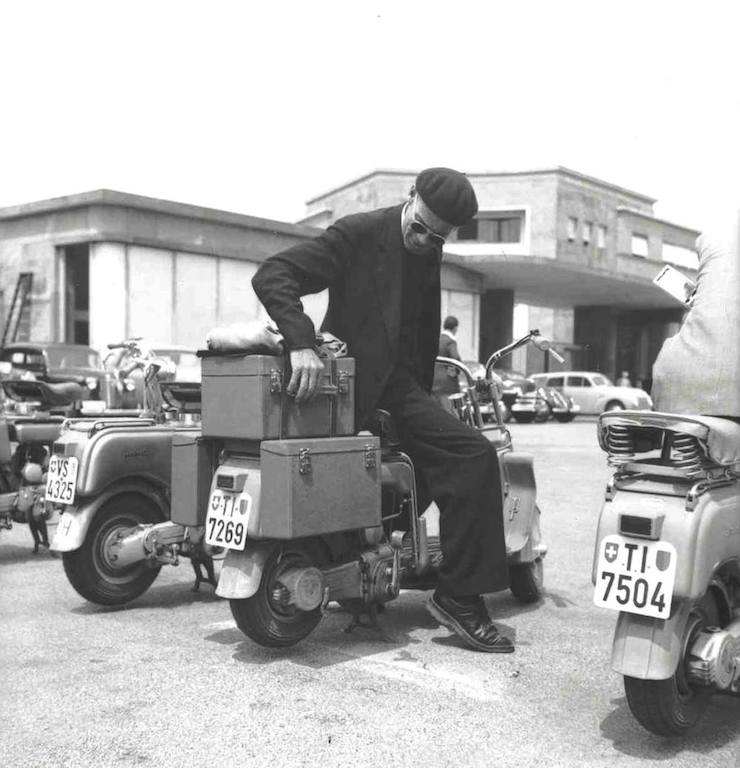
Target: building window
{"x":639,"y":245}
{"x":468,"y":231}
{"x":493,"y":228}
{"x":601,"y":236}
{"x":587,"y":227}
{"x":572,"y":228}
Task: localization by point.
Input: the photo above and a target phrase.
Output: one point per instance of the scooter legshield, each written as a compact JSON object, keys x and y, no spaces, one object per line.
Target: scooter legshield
{"x":242,"y":570}
{"x":648,"y":648}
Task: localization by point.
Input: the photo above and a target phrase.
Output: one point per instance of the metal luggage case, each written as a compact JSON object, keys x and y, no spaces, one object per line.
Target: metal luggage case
{"x":317,"y":486}
{"x":192,"y":470}
{"x":243,"y":396}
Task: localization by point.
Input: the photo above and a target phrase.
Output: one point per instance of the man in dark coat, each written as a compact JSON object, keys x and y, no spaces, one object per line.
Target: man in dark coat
{"x":445,"y":376}
{"x":382,"y":270}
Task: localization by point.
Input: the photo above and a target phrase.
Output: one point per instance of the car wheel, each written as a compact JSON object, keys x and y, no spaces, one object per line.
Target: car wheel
{"x":614,"y":405}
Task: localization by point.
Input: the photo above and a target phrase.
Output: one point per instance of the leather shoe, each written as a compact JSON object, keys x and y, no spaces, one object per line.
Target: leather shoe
{"x":468,"y":618}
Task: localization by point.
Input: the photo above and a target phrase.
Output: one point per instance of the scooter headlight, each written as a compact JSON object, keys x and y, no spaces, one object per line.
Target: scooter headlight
{"x":91,"y":382}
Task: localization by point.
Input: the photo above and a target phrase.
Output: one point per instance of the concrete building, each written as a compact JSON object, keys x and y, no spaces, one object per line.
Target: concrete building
{"x":108,"y":265}
{"x":551,"y":249}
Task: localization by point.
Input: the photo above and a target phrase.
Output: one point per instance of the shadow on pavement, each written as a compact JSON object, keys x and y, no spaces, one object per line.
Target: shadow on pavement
{"x":12,"y":553}
{"x":166,"y":596}
{"x":719,"y":726}
{"x":336,"y":646}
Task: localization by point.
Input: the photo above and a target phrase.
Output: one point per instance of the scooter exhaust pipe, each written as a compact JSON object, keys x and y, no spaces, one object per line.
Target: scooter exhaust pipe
{"x":714,"y":659}
{"x":130,"y":546}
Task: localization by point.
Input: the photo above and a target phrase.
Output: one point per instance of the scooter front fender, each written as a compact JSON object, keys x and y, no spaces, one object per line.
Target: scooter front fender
{"x":74,"y":522}
{"x":648,"y":648}
{"x":242,"y":571}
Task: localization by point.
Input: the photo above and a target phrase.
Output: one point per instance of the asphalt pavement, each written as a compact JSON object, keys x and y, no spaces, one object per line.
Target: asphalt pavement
{"x":170,"y":681}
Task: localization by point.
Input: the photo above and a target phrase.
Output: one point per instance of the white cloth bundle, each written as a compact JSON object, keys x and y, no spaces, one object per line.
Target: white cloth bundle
{"x":255,"y":336}
{"x":698,"y":370}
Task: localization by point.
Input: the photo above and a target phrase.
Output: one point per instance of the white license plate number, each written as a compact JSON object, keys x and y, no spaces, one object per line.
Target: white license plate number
{"x":61,"y":479}
{"x":227,"y":519}
{"x":635,"y":576}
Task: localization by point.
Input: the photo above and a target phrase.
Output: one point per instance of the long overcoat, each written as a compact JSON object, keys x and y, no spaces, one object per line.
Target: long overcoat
{"x":359,"y":259}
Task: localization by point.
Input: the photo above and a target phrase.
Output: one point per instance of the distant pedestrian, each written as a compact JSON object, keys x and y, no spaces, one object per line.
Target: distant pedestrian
{"x":446,"y":380}
{"x":624,"y":380}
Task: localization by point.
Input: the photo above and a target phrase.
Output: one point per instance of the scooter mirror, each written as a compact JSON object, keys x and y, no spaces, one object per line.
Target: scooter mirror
{"x":542,"y":343}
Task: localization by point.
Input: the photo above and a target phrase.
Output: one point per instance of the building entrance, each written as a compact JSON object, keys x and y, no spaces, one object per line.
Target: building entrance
{"x":77,"y":294}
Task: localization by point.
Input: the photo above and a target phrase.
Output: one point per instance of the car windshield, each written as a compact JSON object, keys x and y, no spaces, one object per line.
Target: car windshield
{"x":601,"y":381}
{"x":73,"y":357}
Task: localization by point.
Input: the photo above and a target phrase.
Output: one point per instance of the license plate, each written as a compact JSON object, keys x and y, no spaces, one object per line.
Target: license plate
{"x":635,"y":576}
{"x":61,"y":479}
{"x":227,"y":519}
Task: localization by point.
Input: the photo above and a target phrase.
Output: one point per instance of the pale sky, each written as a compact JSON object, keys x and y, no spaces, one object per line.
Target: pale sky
{"x":258,"y":107}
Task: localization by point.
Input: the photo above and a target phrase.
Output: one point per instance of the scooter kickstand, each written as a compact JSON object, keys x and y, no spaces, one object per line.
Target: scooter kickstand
{"x":371,"y":624}
{"x":209,"y":578}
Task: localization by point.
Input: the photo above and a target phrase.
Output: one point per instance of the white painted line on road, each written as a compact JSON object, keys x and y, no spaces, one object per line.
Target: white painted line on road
{"x":431,"y":678}
{"x":387,"y":664}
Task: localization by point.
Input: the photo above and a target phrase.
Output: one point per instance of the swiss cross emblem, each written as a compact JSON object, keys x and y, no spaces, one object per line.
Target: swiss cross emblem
{"x":611,"y":551}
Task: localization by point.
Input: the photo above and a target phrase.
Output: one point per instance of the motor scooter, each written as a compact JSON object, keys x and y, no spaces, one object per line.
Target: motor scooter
{"x":667,"y":558}
{"x":280,"y":572}
{"x":32,"y":418}
{"x":109,"y":475}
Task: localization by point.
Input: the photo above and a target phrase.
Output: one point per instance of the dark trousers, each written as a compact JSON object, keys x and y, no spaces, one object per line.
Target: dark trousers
{"x":459,"y":469}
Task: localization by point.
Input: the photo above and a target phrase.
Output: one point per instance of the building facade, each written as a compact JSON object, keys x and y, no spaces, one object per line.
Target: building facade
{"x":108,"y":266}
{"x":552,"y":249}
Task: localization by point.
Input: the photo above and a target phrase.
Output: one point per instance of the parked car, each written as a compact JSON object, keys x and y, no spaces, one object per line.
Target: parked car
{"x":54,"y":362}
{"x":594,"y":392}
{"x":514,"y":384}
{"x":530,"y":404}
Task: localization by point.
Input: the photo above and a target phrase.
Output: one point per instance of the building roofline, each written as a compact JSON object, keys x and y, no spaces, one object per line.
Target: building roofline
{"x":650,"y":217}
{"x":110,"y":197}
{"x":561,"y":170}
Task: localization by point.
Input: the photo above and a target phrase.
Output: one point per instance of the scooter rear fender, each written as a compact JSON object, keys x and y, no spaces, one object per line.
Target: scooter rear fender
{"x":74,"y":522}
{"x":242,"y":571}
{"x":648,"y":648}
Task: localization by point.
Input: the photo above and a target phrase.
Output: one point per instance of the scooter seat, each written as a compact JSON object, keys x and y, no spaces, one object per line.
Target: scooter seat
{"x":719,"y":437}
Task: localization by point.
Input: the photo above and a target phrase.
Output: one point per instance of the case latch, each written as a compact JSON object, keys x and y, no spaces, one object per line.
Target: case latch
{"x":370,"y":461}
{"x":276,"y":381}
{"x":343,"y":382}
{"x":304,"y":461}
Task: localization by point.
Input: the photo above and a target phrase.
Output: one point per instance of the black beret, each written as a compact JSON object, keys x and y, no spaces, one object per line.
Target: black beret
{"x":448,"y":194}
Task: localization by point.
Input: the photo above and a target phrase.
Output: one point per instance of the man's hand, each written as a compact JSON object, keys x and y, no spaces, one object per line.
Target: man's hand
{"x":306,"y":368}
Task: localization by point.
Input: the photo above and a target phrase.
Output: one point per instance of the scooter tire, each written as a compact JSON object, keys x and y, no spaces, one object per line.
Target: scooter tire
{"x":672,"y":707}
{"x":89,"y":570}
{"x":564,"y":418}
{"x":263,"y":618}
{"x":524,"y":418}
{"x":526,"y":581}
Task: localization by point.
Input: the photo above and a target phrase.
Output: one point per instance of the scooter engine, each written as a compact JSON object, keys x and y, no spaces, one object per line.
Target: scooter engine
{"x":714,"y":660}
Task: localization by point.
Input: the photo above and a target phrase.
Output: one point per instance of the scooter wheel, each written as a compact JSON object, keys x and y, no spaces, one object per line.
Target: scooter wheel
{"x":265,"y":617}
{"x":564,"y":418}
{"x":89,"y":569}
{"x":526,"y":581}
{"x":672,"y":707}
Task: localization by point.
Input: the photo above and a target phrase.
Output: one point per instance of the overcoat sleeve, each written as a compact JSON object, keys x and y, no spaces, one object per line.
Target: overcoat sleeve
{"x":305,"y":268}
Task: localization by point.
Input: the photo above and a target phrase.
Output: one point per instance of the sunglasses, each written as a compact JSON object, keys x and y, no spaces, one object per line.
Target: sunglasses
{"x":423,"y":229}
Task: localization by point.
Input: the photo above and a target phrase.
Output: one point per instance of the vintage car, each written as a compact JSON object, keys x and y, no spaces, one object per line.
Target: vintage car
{"x":54,"y":362}
{"x":593,"y":392}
